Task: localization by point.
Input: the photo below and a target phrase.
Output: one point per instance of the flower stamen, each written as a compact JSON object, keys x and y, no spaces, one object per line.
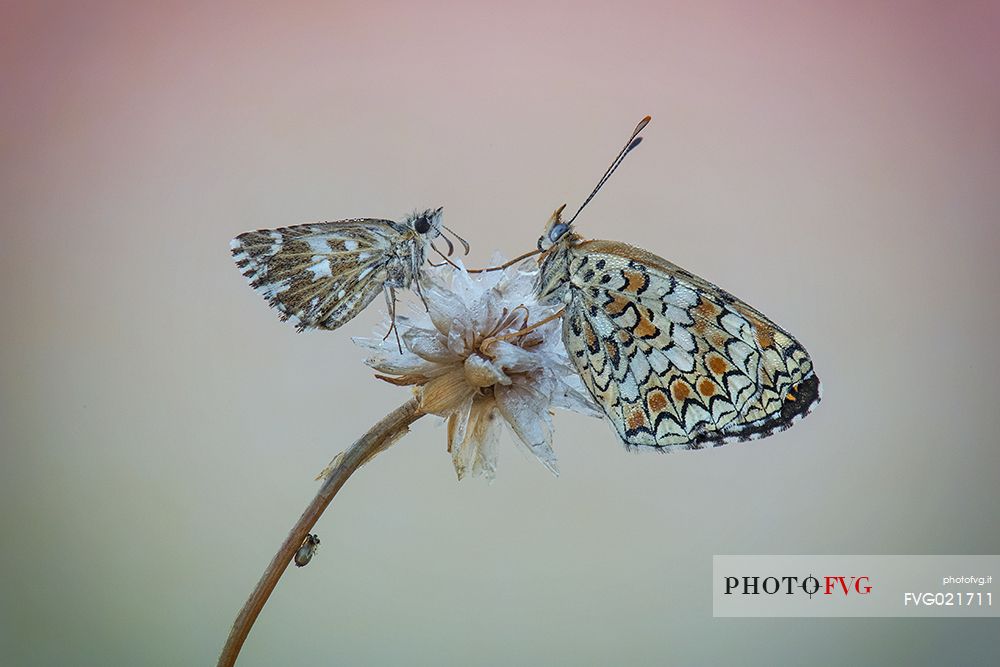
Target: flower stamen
{"x":492,"y":340}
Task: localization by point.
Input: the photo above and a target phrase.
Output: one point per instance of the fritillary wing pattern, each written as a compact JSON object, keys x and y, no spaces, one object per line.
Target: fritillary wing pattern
{"x":674,"y":361}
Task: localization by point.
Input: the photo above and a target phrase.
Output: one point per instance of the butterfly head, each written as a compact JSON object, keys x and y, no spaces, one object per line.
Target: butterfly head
{"x":555,"y":245}
{"x":425,"y":227}
{"x":426,"y":224}
{"x":555,"y":230}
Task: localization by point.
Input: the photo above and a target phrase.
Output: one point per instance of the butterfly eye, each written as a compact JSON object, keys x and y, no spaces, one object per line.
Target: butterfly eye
{"x":422,"y":225}
{"x":558,"y":231}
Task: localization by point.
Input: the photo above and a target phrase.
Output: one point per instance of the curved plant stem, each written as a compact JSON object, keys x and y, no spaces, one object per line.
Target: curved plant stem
{"x":393,"y":426}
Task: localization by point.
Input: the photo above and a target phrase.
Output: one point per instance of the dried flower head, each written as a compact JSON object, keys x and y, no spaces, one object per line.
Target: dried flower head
{"x":474,"y":364}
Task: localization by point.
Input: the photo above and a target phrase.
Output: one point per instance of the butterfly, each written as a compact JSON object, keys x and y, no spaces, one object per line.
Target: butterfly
{"x":674,"y":361}
{"x":320,"y":275}
{"x":305,"y":553}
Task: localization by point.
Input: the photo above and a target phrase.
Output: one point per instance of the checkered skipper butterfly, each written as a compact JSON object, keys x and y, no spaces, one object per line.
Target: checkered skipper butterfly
{"x":322,"y":274}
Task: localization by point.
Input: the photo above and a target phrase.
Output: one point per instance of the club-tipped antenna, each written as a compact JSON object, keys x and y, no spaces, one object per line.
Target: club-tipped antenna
{"x":465,"y":244}
{"x":632,"y":142}
{"x":451,"y":246}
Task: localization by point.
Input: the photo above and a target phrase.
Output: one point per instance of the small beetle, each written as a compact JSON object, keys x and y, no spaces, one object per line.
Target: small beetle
{"x":308,"y":549}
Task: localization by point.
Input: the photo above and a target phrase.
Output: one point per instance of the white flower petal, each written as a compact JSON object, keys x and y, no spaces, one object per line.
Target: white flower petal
{"x":567,"y":397}
{"x":493,"y":309}
{"x":525,"y":410}
{"x":477,"y":452}
{"x":458,"y":423}
{"x":484,"y":463}
{"x":459,"y":339}
{"x":481,"y":372}
{"x":514,"y":359}
{"x":444,"y":309}
{"x":387,"y":359}
{"x":404,"y":366}
{"x":428,"y":345}
{"x":447,"y":392}
{"x":369,"y":343}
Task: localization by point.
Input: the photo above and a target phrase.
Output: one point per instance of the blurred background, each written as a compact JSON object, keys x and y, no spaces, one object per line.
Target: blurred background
{"x":836,"y":165}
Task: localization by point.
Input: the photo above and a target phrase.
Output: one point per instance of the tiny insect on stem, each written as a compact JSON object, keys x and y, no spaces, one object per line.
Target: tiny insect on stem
{"x":306,"y":552}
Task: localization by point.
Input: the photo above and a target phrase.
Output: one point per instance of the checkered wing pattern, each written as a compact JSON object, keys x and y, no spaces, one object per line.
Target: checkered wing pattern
{"x":674,"y":361}
{"x":320,"y":275}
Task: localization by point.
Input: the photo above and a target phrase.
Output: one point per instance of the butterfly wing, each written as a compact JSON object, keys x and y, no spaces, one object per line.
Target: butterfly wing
{"x":674,"y":361}
{"x":319,"y":275}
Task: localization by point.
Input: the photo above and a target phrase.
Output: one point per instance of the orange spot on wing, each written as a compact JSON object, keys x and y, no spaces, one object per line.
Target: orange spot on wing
{"x":644,"y":328}
{"x":717,"y":364}
{"x":680,"y":390}
{"x":764,"y":334}
{"x":706,"y":387}
{"x":702,"y":314}
{"x":589,"y":336}
{"x":617,"y":306}
{"x":636,"y":419}
{"x":656,"y":401}
{"x":612,"y":350}
{"x":762,"y":331}
{"x":635,"y":281}
{"x":707,"y":309}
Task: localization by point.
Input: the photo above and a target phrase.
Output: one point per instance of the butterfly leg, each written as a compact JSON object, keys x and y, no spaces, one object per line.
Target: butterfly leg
{"x":390,"y":302}
{"x":445,"y":257}
{"x":420,"y":293}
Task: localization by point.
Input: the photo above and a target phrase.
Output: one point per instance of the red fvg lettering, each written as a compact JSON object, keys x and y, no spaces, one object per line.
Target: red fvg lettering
{"x":858,"y":584}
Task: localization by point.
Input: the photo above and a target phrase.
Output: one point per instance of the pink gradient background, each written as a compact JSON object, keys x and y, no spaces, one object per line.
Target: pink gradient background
{"x":837,"y":165}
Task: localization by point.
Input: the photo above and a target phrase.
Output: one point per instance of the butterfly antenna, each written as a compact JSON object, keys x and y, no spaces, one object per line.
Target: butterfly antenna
{"x":444,"y":257}
{"x":632,"y":142}
{"x":465,"y":244}
{"x":530,"y":253}
{"x":451,"y":246}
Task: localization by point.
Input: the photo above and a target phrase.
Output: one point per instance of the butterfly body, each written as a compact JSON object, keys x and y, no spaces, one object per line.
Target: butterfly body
{"x":674,"y":361}
{"x":320,"y":275}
